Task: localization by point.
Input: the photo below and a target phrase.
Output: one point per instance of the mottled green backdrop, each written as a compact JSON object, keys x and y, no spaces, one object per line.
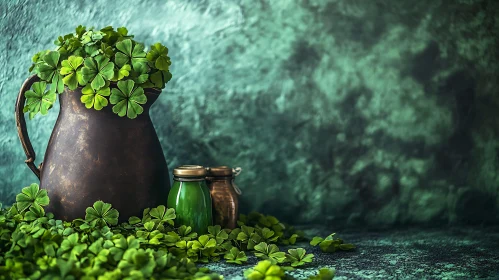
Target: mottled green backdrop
{"x":347,"y":113}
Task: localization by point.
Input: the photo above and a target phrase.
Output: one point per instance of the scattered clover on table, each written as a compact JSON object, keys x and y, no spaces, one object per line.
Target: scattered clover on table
{"x":35,"y":245}
{"x":97,"y":62}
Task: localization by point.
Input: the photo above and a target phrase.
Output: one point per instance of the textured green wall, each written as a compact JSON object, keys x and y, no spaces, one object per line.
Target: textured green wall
{"x":347,"y":113}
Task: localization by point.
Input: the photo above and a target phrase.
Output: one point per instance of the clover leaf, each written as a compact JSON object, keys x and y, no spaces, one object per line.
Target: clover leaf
{"x":98,"y":71}
{"x":264,"y":270}
{"x":160,"y":78}
{"x":48,"y":71}
{"x":32,"y":197}
{"x":331,"y":244}
{"x":34,"y":213}
{"x":121,"y":244}
{"x":131,"y":52}
{"x":158,"y":56}
{"x":163,"y":215}
{"x":203,"y":242}
{"x":324,"y":274}
{"x":95,"y":99}
{"x":101,"y":214}
{"x":291,"y":240}
{"x":72,"y":247}
{"x":70,"y":71}
{"x":235,"y":256}
{"x":122,"y":72}
{"x":38,"y":99}
{"x":269,"y":252}
{"x":138,"y":260}
{"x":218,"y":233}
{"x":298,"y":257}
{"x":127,"y":99}
{"x":185,"y":233}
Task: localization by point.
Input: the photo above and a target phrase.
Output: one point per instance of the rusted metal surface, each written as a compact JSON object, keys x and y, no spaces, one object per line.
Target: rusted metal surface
{"x":97,"y":155}
{"x":224,"y":196}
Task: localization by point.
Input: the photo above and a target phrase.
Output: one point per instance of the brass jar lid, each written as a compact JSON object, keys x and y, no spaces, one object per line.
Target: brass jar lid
{"x":219,"y":171}
{"x":189,"y":171}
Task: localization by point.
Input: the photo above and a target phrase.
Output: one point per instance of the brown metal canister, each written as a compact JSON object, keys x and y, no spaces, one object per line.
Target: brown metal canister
{"x":224,"y":194}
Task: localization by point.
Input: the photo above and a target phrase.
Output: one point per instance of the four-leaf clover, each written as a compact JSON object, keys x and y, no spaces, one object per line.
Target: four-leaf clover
{"x":101,"y":214}
{"x":135,"y":55}
{"x":93,"y":98}
{"x":32,"y":196}
{"x":269,"y":252}
{"x":158,"y":56}
{"x":127,"y":99}
{"x":38,"y":99}
{"x":236,"y":256}
{"x":163,"y":215}
{"x":265,"y":270}
{"x":72,"y":75}
{"x":298,"y":257}
{"x":48,"y":71}
{"x":98,"y":71}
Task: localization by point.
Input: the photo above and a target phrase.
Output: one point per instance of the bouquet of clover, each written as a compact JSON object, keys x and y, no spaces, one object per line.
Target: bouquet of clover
{"x":108,"y":65}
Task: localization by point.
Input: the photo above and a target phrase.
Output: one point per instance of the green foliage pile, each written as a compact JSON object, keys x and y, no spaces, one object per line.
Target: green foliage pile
{"x":94,"y":59}
{"x":266,"y":270}
{"x":34,"y":245}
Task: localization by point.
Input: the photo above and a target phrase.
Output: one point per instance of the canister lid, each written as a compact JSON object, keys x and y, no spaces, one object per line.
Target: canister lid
{"x":219,"y":171}
{"x":189,"y":171}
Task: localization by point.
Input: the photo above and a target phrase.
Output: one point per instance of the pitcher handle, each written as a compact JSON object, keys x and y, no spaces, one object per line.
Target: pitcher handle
{"x":21,"y":126}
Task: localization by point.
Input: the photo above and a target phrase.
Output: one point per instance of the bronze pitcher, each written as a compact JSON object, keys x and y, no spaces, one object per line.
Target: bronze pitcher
{"x":97,"y":155}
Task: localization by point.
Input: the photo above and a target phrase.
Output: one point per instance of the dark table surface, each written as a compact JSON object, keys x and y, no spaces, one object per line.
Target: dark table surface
{"x":415,"y":253}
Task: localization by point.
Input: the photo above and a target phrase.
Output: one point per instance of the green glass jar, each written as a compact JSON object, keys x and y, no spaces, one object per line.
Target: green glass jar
{"x":190,"y":197}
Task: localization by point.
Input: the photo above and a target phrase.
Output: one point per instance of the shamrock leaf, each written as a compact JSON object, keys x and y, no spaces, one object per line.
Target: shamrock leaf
{"x":298,"y":257}
{"x":91,"y":37}
{"x":101,"y":214}
{"x":218,"y":233}
{"x":264,"y":270}
{"x":95,"y":99}
{"x":98,"y":70}
{"x":38,"y":99}
{"x":48,"y":71}
{"x":269,"y":252}
{"x":140,"y":260}
{"x":158,"y":56}
{"x":72,"y":76}
{"x":160,"y":78}
{"x":34,"y":213}
{"x":129,"y":53}
{"x":331,"y":244}
{"x":151,"y":235}
{"x":203,"y":242}
{"x":133,"y":220}
{"x":37,"y":60}
{"x":171,"y":238}
{"x":185,"y":233}
{"x":324,"y":274}
{"x":268,"y":235}
{"x":245,"y":233}
{"x":236,"y":256}
{"x":124,"y":71}
{"x":32,"y":196}
{"x":121,"y":245}
{"x":80,"y":30}
{"x":127,"y":99}
{"x":316,"y":240}
{"x":291,"y":240}
{"x":106,"y":50}
{"x":72,"y":246}
{"x":163,"y":215}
